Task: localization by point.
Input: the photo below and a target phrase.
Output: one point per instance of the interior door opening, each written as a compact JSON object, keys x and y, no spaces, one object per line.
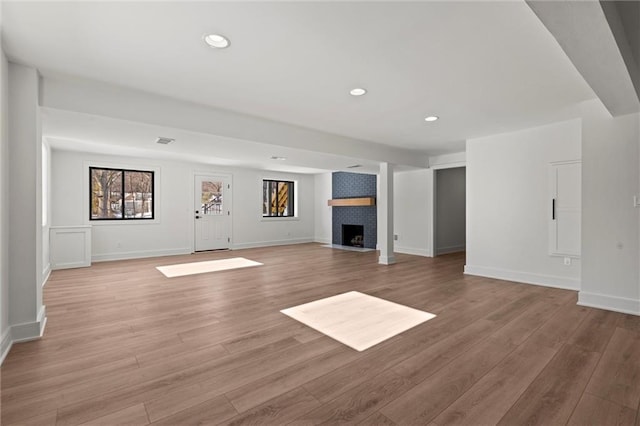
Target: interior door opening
{"x":450,"y":210}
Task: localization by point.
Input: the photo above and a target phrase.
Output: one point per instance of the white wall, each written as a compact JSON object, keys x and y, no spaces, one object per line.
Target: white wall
{"x":5,"y":336}
{"x":323,"y":193}
{"x":172,"y":231}
{"x":412,"y":211}
{"x":507,"y":204}
{"x":450,"y":207}
{"x":610,"y":180}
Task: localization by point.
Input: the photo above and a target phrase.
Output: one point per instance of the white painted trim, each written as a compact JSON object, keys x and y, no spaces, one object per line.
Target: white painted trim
{"x":386,"y":260}
{"x":413,"y":251}
{"x":524,"y":277}
{"x":105,"y":257}
{"x":83,"y":236}
{"x":257,"y":244}
{"x":451,"y":249}
{"x":610,"y":303}
{"x":46,"y":273}
{"x":31,"y":330}
{"x":5,"y":344}
{"x":322,"y":240}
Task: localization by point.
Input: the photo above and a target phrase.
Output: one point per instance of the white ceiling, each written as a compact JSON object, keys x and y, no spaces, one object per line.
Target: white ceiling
{"x":483,"y":67}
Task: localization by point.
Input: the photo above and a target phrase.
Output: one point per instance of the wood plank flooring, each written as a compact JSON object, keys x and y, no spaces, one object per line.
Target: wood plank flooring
{"x":125,"y":345}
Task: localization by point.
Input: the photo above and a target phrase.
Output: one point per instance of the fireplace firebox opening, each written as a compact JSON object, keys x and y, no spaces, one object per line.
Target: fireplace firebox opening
{"x":353,"y":235}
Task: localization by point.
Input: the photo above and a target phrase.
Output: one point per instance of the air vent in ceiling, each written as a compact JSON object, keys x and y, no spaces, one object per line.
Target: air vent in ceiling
{"x":164,"y":141}
{"x":355,"y":166}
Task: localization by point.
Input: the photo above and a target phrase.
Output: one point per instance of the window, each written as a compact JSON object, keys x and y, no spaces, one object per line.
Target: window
{"x":277,"y":198}
{"x":118,"y":194}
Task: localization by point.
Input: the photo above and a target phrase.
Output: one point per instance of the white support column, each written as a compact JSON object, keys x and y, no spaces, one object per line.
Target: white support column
{"x":385,"y":215}
{"x":26,"y":312}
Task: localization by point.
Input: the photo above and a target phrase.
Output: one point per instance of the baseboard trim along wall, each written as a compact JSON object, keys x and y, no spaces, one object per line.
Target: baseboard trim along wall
{"x":30,"y":330}
{"x":258,"y":244}
{"x":23,"y":333}
{"x":322,"y":240}
{"x":46,"y":273}
{"x":5,"y":344}
{"x":524,"y":277}
{"x":610,"y":303}
{"x":105,"y":257}
{"x":413,"y":251}
{"x":450,"y":249}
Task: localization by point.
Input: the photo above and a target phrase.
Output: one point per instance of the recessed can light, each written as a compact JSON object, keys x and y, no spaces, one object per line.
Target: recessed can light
{"x":217,"y":41}
{"x":275,"y":157}
{"x":358,"y":91}
{"x":431,"y":118}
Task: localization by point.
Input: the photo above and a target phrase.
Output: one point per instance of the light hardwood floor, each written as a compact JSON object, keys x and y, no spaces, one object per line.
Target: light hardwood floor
{"x":126,"y":345}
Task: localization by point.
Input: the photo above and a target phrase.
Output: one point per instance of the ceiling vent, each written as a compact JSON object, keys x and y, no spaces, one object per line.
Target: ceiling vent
{"x":355,"y":166}
{"x":165,"y":141}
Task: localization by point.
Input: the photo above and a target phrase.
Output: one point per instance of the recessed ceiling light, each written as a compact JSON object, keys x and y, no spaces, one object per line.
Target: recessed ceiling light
{"x":354,"y":166}
{"x":217,"y":41}
{"x":358,"y":91}
{"x":431,"y":118}
{"x":275,"y":157}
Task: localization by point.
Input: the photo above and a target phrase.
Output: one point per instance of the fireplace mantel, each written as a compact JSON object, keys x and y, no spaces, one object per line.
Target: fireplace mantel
{"x":353,"y":201}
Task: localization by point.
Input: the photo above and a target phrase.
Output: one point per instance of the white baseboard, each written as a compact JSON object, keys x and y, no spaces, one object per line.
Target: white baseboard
{"x":322,"y":240}
{"x":258,"y":244}
{"x":104,"y":257}
{"x":22,"y":333}
{"x":413,"y":251}
{"x":45,"y":274}
{"x":30,"y":330}
{"x":450,"y":249}
{"x":610,"y":303}
{"x":386,"y":260}
{"x":524,"y":277}
{"x":5,"y":344}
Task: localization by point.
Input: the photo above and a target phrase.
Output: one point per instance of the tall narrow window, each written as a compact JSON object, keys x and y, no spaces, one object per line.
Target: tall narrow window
{"x":277,"y":198}
{"x":119,"y":194}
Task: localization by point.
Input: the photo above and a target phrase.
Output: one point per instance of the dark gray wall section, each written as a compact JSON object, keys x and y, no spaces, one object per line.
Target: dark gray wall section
{"x":347,"y":185}
{"x":450,"y":224}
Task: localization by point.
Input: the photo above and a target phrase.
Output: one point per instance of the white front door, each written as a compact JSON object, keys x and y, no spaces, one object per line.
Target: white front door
{"x":212,"y":212}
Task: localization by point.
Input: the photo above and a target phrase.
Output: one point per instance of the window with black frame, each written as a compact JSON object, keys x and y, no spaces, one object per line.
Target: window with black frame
{"x":277,"y":198}
{"x":120,"y":194}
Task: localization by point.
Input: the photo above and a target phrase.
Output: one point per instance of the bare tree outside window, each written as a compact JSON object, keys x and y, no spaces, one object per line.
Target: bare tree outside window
{"x":120,"y":194}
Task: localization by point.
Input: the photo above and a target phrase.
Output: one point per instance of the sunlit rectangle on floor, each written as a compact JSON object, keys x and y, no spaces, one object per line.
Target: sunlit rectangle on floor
{"x":183,"y":269}
{"x":357,"y":320}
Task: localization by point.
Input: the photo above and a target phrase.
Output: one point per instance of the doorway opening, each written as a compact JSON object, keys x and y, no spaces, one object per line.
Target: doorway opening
{"x":449,"y":226}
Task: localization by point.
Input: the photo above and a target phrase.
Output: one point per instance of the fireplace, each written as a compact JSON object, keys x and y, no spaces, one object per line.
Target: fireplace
{"x":353,"y":235}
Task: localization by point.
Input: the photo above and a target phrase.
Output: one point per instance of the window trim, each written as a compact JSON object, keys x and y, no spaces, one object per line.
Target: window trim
{"x":123,"y":219}
{"x":293,"y":201}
